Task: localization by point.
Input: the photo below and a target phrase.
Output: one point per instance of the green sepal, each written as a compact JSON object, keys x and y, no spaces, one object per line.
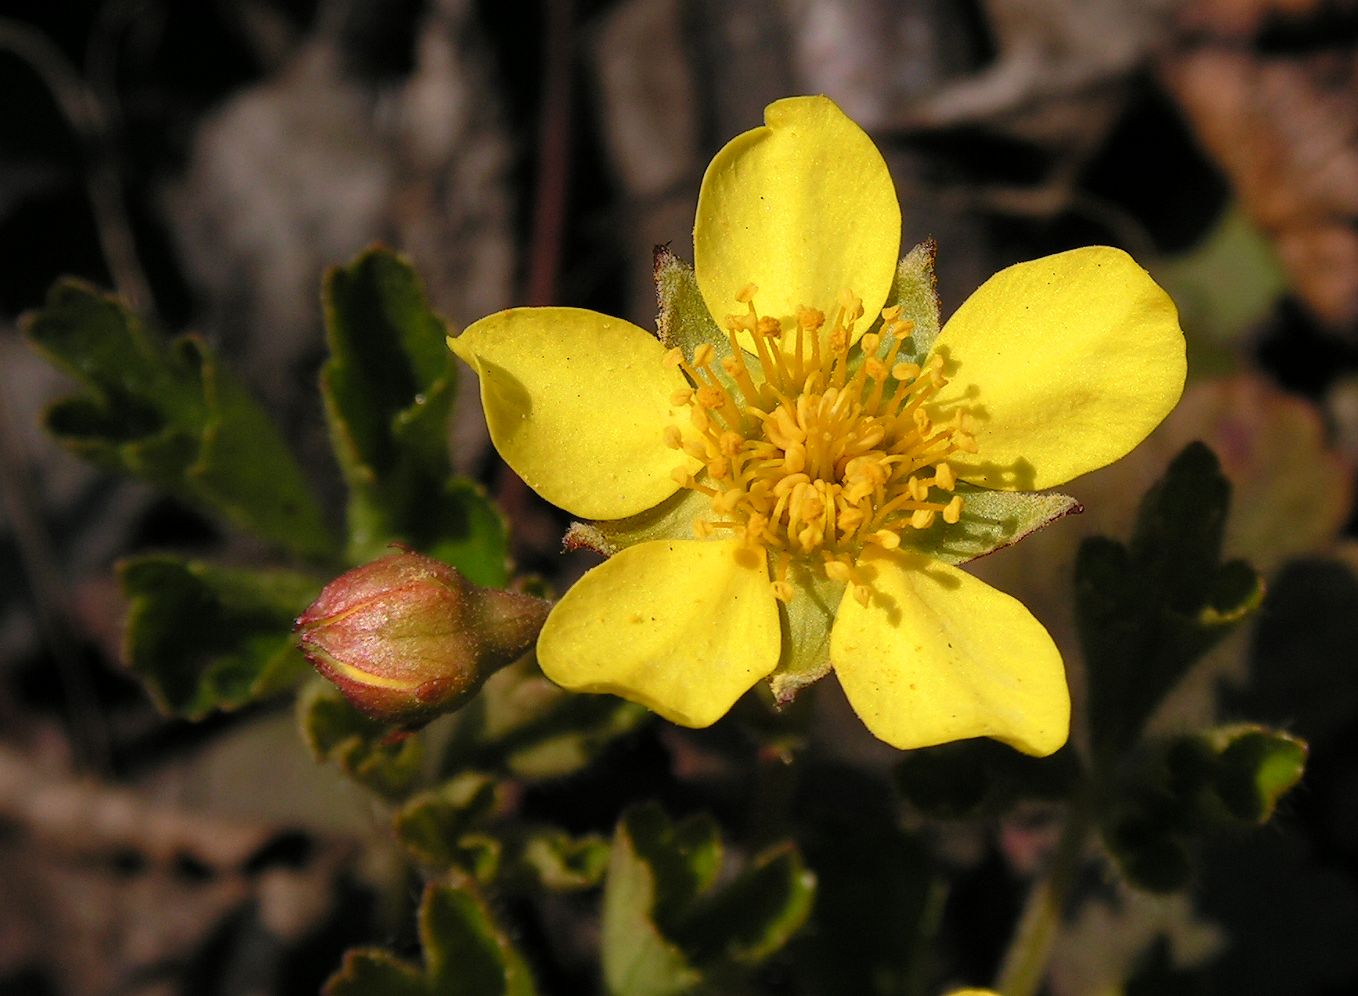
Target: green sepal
{"x":441,"y":828}
{"x":806,"y":622}
{"x":369,"y":752}
{"x":388,"y":388}
{"x":466,"y":953}
{"x":523,"y":725}
{"x":990,"y":521}
{"x":667,"y":927}
{"x":203,"y":637}
{"x":671,"y":519}
{"x":914,"y":290}
{"x":683,"y":320}
{"x":1148,"y":610}
{"x":973,"y":777}
{"x":168,"y":412}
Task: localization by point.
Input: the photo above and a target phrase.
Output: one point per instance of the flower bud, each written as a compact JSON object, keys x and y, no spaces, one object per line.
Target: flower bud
{"x":406,"y":638}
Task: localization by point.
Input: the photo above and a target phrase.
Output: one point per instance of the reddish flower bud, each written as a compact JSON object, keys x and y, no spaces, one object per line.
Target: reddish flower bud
{"x":406,"y":638}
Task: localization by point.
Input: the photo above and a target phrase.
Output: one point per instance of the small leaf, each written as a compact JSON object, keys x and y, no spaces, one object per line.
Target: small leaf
{"x":465,"y":951}
{"x":367,"y":751}
{"x":1256,"y":769}
{"x":524,"y":725}
{"x":435,"y":826}
{"x":666,"y":924}
{"x":637,"y":958}
{"x":169,"y":413}
{"x":465,"y":954}
{"x":991,"y":520}
{"x":388,"y":389}
{"x":554,"y":860}
{"x":1171,"y":794}
{"x":756,"y":914}
{"x":203,"y":637}
{"x":375,"y":972}
{"x":1149,"y":610}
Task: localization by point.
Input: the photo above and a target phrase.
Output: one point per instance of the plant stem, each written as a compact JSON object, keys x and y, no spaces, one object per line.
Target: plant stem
{"x":1025,"y":963}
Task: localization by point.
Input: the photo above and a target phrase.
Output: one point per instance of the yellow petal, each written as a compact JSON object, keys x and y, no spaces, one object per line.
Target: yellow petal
{"x":577,"y":404}
{"x":803,"y":208}
{"x":1068,"y":363}
{"x":685,"y":627}
{"x":937,"y":655}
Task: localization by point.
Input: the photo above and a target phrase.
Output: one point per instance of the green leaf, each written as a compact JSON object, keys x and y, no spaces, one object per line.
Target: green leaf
{"x":437,"y":827}
{"x":388,"y":389}
{"x":369,"y":752}
{"x":524,"y":725}
{"x":1147,"y":611}
{"x":1255,"y":768}
{"x":202,"y":637}
{"x":638,"y":960}
{"x":554,"y":860}
{"x":991,"y":520}
{"x":169,"y":413}
{"x":666,"y":926}
{"x":375,"y":972}
{"x":914,"y":290}
{"x":756,"y":914}
{"x":465,"y":954}
{"x":465,"y":951}
{"x":1170,"y":795}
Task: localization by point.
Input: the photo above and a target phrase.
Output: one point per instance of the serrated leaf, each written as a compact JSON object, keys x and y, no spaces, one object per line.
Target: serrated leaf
{"x":166,"y":411}
{"x":465,"y":951}
{"x":667,"y":926}
{"x":435,"y":827}
{"x":376,"y":972}
{"x":637,"y":958}
{"x":1173,"y":793}
{"x":991,"y":520}
{"x":1147,"y":611}
{"x":1255,"y":769}
{"x":465,"y":954}
{"x":203,"y":637}
{"x":755,"y":914}
{"x":554,"y":860}
{"x":526,"y":726}
{"x":388,"y":389}
{"x":367,"y":751}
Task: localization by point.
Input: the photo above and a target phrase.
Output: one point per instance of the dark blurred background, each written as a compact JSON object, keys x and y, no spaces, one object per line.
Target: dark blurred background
{"x":209,"y":159}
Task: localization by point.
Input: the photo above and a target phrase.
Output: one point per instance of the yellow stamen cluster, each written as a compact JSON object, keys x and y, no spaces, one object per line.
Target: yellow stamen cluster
{"x":808,"y":456}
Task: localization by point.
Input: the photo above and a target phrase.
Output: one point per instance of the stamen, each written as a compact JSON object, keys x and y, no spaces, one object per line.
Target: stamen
{"x":819,"y":457}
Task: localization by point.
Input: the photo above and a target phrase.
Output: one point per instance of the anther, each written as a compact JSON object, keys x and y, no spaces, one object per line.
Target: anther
{"x":746,"y":294}
{"x":952,"y":512}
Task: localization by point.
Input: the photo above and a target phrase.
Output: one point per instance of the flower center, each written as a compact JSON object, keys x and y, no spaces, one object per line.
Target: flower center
{"x":810,"y":456}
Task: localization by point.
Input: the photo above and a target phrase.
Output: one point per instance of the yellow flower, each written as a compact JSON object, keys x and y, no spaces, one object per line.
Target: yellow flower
{"x":770,"y":488}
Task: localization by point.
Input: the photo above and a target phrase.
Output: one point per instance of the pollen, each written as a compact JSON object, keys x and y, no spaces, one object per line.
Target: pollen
{"x":823,"y":446}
